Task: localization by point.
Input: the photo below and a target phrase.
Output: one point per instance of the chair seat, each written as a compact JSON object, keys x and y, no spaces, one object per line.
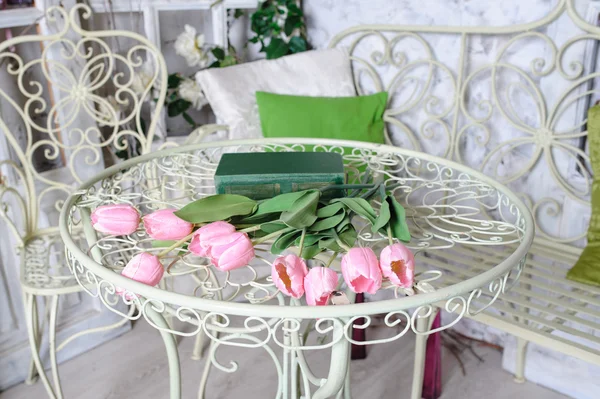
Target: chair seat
{"x":559,"y":313}
{"x":44,"y":270}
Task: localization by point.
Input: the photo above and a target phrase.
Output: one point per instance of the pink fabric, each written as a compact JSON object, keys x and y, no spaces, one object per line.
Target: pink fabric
{"x":145,"y":268}
{"x":361,"y":272}
{"x":231,"y":251}
{"x":398,"y":265}
{"x":201,"y":241}
{"x":118,"y":219}
{"x":319,"y":283}
{"x":164,"y":225}
{"x":288,"y":274}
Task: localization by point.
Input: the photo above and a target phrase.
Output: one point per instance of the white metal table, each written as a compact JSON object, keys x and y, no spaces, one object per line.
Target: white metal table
{"x":447,"y":206}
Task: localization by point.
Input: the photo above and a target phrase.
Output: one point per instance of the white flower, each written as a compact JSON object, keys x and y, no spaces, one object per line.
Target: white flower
{"x":190,"y":91}
{"x":143,"y":78}
{"x":189,"y":46}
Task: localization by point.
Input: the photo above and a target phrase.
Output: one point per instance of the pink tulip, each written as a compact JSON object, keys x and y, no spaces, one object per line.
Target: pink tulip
{"x":204,"y":236}
{"x":231,"y":251}
{"x":319,"y":284}
{"x":145,"y":268}
{"x":164,"y":225}
{"x":361,"y":272}
{"x":398,"y":265}
{"x":118,"y":219}
{"x":288,"y":274}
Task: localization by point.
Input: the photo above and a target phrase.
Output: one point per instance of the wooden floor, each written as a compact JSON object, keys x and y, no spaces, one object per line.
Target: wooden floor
{"x":134,"y":366}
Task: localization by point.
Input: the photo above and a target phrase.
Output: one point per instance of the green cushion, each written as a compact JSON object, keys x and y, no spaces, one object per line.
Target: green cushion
{"x":346,"y":118}
{"x":587,"y":268}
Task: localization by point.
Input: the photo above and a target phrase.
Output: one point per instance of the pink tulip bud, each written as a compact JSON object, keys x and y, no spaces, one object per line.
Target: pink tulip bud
{"x":165,"y":225}
{"x":118,"y":219}
{"x":145,"y":268}
{"x":231,"y":251}
{"x":361,"y":272}
{"x":203,"y":237}
{"x":288,"y":274}
{"x":398,"y":265}
{"x":319,"y":284}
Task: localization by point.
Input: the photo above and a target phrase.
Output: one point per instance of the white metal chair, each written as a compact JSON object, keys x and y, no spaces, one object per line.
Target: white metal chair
{"x":62,"y":118}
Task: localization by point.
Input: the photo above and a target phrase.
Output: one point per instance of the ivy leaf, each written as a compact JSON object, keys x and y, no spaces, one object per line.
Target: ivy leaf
{"x":284,"y":241}
{"x":216,"y":207}
{"x":359,"y":206}
{"x":276,"y":48}
{"x":291,"y":23}
{"x":189,"y":119}
{"x":174,"y":80}
{"x":398,"y":220}
{"x":238,"y":13}
{"x":297,"y":44}
{"x":215,"y":64}
{"x":383,"y":218}
{"x":178,"y":107}
{"x":303,"y":211}
{"x":228,"y":61}
{"x":219,"y":53}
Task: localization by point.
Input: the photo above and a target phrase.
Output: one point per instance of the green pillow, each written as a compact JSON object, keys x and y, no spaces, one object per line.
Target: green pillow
{"x":587,"y":268}
{"x":345,"y":118}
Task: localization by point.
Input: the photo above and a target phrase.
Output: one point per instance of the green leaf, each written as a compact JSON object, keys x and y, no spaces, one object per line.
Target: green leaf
{"x":291,"y":23}
{"x":276,"y":48}
{"x":280,"y":203}
{"x":309,"y":239}
{"x":216,"y":64}
{"x":383,"y":218}
{"x":228,"y":61}
{"x":303,"y":211}
{"x":349,"y":236}
{"x":330,"y":244}
{"x":398,"y":220}
{"x":297,"y":44}
{"x":284,"y":241}
{"x":174,"y":80}
{"x":238,"y":13}
{"x":178,"y":107}
{"x":272,"y":227}
{"x":330,"y":210}
{"x":328,"y":223}
{"x":216,"y":207}
{"x":309,"y":252}
{"x":359,"y":206}
{"x":218,"y":52}
{"x":189,"y":119}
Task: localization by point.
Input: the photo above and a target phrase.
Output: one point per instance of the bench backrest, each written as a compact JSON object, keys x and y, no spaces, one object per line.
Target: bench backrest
{"x":509,"y":101}
{"x":74,"y":110}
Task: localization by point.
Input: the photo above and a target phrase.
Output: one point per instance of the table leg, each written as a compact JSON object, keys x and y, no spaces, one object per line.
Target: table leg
{"x":338,"y":368}
{"x":172,"y":353}
{"x":422,"y":324}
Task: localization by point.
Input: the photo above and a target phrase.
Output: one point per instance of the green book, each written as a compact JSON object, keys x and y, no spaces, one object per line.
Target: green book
{"x":261,"y":175}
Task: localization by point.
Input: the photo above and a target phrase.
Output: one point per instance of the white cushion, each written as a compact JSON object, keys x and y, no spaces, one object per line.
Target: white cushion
{"x":231,"y":90}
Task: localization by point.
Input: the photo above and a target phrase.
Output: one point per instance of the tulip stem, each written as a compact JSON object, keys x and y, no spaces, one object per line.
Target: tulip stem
{"x":339,"y":241}
{"x":172,"y":247}
{"x":302,"y":240}
{"x":272,"y":235}
{"x":250,"y":229}
{"x":335,"y":254}
{"x":389,"y":234}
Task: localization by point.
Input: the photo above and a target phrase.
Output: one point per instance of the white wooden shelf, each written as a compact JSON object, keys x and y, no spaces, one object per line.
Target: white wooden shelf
{"x":19,"y":17}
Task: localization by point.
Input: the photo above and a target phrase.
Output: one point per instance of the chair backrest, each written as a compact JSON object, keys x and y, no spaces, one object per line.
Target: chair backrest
{"x":510,"y":101}
{"x":74,"y":109}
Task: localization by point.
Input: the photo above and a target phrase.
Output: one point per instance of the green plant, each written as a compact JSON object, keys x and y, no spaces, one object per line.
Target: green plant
{"x":279,"y":27}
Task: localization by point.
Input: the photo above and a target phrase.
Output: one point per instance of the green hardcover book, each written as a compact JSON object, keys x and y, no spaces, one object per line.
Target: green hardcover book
{"x":261,"y":175}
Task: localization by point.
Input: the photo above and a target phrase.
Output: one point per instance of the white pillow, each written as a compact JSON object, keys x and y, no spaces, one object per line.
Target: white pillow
{"x":231,"y":91}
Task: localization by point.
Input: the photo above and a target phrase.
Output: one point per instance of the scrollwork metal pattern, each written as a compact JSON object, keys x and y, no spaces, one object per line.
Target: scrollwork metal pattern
{"x":518,"y":115}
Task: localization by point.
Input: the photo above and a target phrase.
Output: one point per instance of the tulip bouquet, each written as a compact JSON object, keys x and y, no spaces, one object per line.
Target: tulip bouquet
{"x":226,"y":228}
